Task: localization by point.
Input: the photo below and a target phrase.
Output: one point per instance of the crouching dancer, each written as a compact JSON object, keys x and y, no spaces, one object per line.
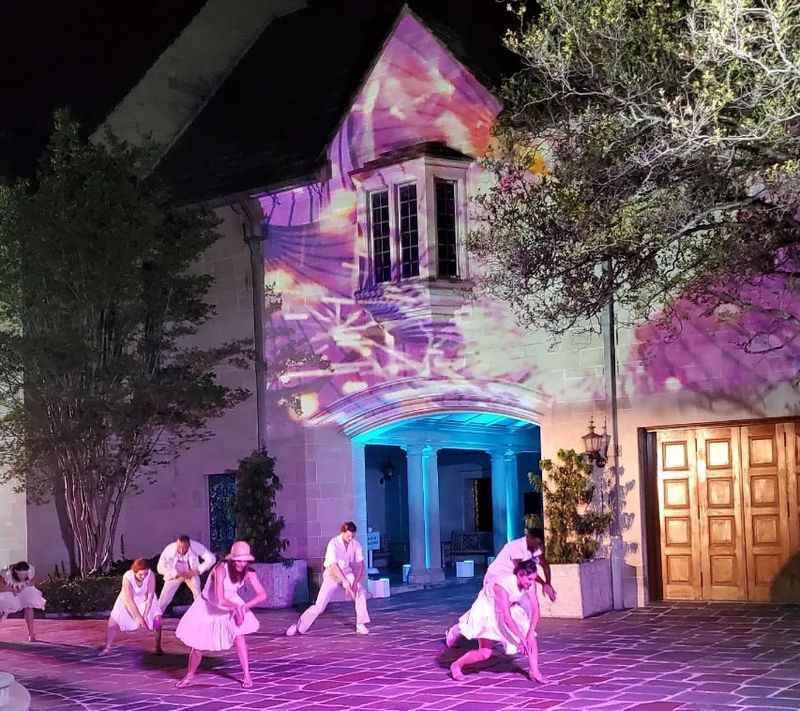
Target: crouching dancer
{"x":498,"y":615}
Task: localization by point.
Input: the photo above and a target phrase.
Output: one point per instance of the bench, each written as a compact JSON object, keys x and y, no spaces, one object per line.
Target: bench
{"x":463,"y":546}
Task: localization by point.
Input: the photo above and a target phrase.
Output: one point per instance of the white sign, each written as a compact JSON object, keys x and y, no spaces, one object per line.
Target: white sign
{"x":374,"y":541}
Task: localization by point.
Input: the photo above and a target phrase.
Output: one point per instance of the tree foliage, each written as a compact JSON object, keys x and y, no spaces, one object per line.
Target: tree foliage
{"x":650,"y":150}
{"x":98,"y":385}
{"x":573,"y":526}
{"x":257,"y":485}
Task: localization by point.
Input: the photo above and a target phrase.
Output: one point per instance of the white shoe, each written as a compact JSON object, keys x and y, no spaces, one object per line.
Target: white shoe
{"x":361,"y":629}
{"x":292,"y":631}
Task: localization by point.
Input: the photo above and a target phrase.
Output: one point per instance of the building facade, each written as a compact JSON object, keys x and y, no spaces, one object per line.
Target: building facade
{"x":415,"y":404}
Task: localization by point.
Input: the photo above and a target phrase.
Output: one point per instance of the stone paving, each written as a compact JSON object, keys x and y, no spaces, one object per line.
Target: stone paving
{"x":661,"y":658}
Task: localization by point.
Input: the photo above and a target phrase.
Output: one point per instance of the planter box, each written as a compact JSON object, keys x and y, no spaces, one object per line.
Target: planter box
{"x":286,"y":584}
{"x":582,"y":589}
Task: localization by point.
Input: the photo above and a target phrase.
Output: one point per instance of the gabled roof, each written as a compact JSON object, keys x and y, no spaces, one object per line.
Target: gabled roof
{"x":270,"y":122}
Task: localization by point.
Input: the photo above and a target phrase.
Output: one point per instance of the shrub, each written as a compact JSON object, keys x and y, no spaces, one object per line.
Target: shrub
{"x":81,"y":596}
{"x":254,"y":507}
{"x":573,"y":528}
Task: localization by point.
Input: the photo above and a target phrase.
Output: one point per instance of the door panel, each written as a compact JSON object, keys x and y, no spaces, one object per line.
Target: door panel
{"x":729,"y":508}
{"x":720,"y":510}
{"x":677,"y":503}
{"x":766,"y":506}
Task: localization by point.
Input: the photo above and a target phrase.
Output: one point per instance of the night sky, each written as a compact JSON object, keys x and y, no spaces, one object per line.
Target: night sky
{"x":85,"y":54}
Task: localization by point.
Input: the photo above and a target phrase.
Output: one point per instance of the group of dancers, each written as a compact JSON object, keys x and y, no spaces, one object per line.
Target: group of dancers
{"x":505,"y":611}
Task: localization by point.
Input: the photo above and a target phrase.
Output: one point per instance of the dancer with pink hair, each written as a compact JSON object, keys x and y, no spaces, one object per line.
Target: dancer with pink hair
{"x":220,"y":619}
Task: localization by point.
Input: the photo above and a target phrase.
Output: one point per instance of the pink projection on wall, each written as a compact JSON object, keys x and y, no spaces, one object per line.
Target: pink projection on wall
{"x":727,"y":352}
{"x":417,"y":92}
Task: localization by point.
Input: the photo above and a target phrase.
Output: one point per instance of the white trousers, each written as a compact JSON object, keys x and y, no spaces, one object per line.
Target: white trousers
{"x":329,"y":586}
{"x":171,"y":587}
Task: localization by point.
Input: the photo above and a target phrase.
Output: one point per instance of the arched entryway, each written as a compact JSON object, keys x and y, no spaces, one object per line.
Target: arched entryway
{"x":432,"y":482}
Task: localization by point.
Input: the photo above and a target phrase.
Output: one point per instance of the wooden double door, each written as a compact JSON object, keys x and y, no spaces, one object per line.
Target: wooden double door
{"x":729,"y":500}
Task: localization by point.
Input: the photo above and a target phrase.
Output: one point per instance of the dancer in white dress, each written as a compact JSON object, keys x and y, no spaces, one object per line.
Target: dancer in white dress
{"x":498,"y":615}
{"x":136,"y":606}
{"x":220,"y":619}
{"x":17,"y":592}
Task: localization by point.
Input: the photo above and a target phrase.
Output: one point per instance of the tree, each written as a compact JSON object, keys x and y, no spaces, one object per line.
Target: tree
{"x":98,"y":383}
{"x":256,"y":521}
{"x":573,"y":527}
{"x":649,"y":150}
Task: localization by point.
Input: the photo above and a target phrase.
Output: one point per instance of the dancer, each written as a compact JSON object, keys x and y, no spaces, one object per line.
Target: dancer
{"x":344,"y":565}
{"x":183,"y":561}
{"x":17,"y":592}
{"x":220,"y":619}
{"x":136,"y":606}
{"x":497,"y":615}
{"x":529,"y":547}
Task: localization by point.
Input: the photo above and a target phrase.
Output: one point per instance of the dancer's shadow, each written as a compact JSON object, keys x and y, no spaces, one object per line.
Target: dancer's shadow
{"x":496,"y":664}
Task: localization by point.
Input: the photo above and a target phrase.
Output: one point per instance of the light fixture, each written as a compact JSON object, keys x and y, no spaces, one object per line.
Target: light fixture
{"x":595,"y":445}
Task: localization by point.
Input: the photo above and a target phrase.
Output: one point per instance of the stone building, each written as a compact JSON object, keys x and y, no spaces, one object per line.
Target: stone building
{"x":340,"y":146}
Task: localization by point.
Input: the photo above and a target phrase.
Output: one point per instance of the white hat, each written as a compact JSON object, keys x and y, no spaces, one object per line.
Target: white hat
{"x":240,"y":551}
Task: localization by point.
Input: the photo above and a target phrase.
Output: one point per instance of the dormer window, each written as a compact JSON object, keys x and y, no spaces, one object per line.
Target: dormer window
{"x":412,"y":211}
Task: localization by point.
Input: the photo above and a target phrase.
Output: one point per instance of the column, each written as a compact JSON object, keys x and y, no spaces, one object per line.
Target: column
{"x":499,"y":498}
{"x":433,"y":526}
{"x":416,"y":512}
{"x":513,"y":504}
{"x":359,"y":471}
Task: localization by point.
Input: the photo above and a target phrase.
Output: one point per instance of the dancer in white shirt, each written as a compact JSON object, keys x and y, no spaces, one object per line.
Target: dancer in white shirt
{"x":136,"y":606}
{"x":498,"y":615}
{"x":344,"y":565}
{"x":183,"y":561}
{"x":529,"y":547}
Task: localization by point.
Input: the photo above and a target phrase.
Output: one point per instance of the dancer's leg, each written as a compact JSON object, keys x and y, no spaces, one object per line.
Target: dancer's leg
{"x":533,"y":662}
{"x":194,"y":585}
{"x":157,"y":634}
{"x":28,"y":613}
{"x":362,"y":616}
{"x":310,"y":615}
{"x":168,"y":592}
{"x":241,"y":650}
{"x":111,"y":632}
{"x":481,"y":654}
{"x":195,"y":657}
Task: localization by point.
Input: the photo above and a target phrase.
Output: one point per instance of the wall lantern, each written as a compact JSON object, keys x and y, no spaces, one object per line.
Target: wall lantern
{"x":595,"y":445}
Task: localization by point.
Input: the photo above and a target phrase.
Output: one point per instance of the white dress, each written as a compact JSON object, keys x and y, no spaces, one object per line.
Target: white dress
{"x":18,"y":595}
{"x":120,"y":614}
{"x":480,"y":621}
{"x":209,"y":628}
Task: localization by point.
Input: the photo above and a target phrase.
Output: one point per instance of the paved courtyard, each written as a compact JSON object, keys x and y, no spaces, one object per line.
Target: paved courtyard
{"x":662,"y":658}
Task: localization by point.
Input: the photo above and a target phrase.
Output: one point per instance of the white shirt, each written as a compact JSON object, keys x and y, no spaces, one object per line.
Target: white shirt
{"x":503,"y":564}
{"x":344,"y":555}
{"x":171,"y":564}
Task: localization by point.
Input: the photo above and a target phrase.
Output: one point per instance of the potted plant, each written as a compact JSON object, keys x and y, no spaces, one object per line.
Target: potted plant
{"x":573,"y":532}
{"x":284,"y":579}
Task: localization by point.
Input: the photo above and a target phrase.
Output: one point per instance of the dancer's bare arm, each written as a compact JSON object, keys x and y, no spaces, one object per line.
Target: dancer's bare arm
{"x":257,"y":588}
{"x":151,"y":595}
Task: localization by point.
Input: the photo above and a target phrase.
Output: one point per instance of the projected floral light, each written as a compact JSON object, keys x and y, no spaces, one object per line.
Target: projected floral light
{"x":417,"y":92}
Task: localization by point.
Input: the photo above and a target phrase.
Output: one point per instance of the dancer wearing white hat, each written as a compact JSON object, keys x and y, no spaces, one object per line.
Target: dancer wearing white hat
{"x":220,"y":619}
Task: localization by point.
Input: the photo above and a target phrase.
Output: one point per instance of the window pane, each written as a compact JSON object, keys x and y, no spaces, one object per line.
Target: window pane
{"x":409,"y":232}
{"x":446,"y":228}
{"x":381,"y":242}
